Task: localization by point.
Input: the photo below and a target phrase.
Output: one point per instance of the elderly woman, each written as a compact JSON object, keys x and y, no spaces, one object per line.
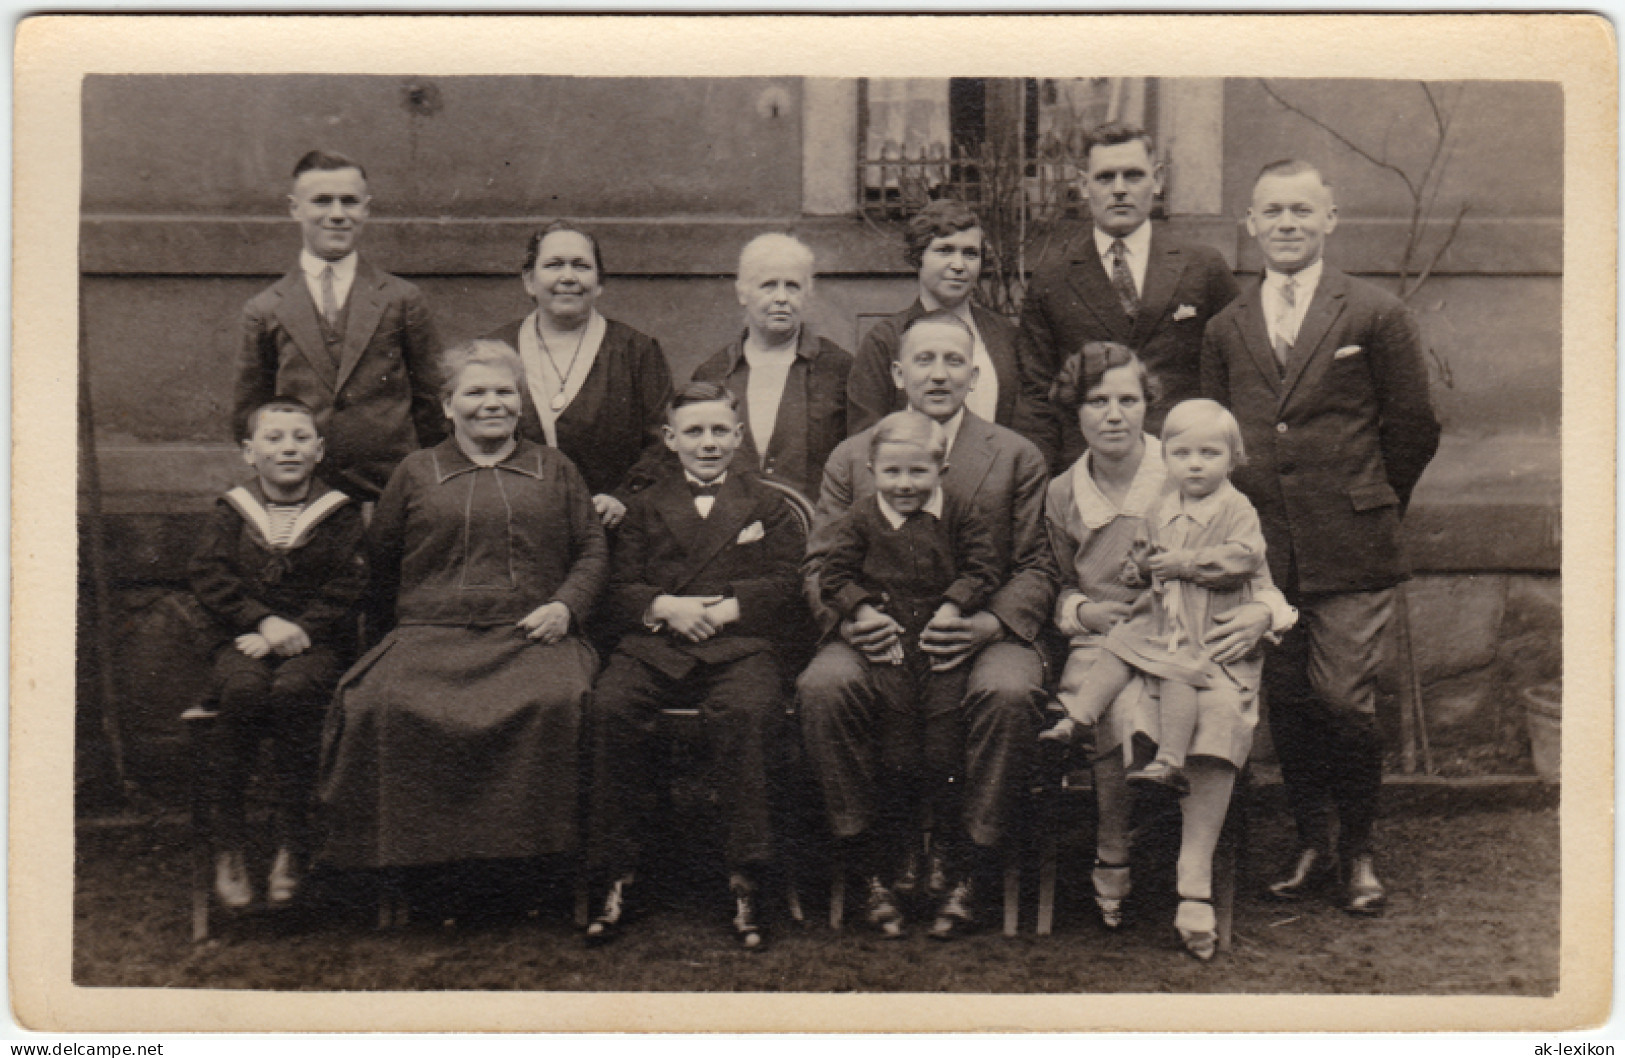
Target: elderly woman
{"x":945,"y":245}
{"x":596,"y":389}
{"x":790,"y":382}
{"x":455,"y":738}
{"x":1096,"y":511}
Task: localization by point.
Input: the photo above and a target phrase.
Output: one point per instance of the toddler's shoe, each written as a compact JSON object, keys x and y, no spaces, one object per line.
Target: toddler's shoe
{"x":231,"y":879}
{"x":1161,"y":773}
{"x":1065,"y":741}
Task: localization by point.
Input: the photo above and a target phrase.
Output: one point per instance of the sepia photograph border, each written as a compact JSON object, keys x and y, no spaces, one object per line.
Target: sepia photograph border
{"x":54,"y":53}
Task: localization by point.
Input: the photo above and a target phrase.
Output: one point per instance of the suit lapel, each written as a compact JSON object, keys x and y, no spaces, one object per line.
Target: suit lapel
{"x":1256,"y":336}
{"x":297,"y":314}
{"x":1162,"y":272}
{"x":366,"y":309}
{"x":1088,"y":276}
{"x":971,"y":458}
{"x":1327,"y":305}
{"x":706,"y":536}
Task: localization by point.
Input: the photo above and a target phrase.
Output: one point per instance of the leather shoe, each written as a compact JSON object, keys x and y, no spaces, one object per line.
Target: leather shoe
{"x":1309,"y":871}
{"x":957,"y":915}
{"x":605,"y":927}
{"x":747,"y":926}
{"x":881,"y":910}
{"x":283,"y":884}
{"x":231,"y":885}
{"x":1364,"y":894}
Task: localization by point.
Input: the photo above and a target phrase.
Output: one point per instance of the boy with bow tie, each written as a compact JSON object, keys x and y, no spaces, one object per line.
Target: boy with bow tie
{"x":705,"y":574}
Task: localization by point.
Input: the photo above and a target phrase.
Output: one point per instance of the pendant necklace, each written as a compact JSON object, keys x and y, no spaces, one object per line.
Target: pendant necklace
{"x":559,"y":401}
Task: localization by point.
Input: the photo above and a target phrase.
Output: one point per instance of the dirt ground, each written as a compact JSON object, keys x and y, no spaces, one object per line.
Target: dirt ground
{"x":1473,"y":875}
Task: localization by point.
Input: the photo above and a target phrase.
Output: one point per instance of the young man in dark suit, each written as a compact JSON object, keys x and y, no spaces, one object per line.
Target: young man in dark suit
{"x":355,"y":344}
{"x":1002,"y":477}
{"x":1129,"y":282}
{"x":705,"y":576}
{"x":1326,"y":375}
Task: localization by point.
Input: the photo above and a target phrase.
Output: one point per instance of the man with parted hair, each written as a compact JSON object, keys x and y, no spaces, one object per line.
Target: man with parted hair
{"x":355,"y":344}
{"x":790,"y":382}
{"x":1326,"y":376}
{"x":1129,"y":282}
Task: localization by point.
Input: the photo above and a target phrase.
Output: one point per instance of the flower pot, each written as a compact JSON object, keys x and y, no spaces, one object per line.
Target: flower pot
{"x":1543,"y":712}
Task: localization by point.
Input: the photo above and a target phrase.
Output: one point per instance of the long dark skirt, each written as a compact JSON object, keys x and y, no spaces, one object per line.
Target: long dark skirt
{"x":451,"y":743}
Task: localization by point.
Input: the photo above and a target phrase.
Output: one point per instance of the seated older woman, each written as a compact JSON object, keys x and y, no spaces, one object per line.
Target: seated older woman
{"x":454,"y":739}
{"x":596,"y":389}
{"x":945,"y":244}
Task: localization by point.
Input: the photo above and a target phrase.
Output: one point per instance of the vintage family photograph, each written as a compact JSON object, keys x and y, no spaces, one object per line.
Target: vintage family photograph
{"x":1062,"y":517}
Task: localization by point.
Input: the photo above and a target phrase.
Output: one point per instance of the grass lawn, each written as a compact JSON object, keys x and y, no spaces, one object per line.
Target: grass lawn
{"x":1473,"y":877}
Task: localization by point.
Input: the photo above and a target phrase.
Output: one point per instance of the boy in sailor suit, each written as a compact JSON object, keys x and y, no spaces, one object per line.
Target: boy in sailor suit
{"x":279,"y":569}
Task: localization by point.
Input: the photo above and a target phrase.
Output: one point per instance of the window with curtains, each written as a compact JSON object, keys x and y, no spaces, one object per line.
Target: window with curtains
{"x":992,"y":143}
{"x":1010,"y":148}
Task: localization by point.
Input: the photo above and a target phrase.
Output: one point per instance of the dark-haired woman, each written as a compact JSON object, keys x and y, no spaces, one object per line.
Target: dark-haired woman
{"x":596,"y":389}
{"x":945,"y":244}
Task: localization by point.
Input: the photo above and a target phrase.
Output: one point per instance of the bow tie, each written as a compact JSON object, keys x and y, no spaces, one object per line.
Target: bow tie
{"x":704,"y":490}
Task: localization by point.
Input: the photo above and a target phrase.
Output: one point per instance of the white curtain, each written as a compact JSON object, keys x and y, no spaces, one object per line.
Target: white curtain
{"x":907,"y":121}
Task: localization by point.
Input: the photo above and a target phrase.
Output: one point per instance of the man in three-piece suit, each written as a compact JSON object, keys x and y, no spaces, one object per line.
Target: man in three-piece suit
{"x":1003,"y":478}
{"x":705,"y":579}
{"x":1326,"y":375}
{"x":353,"y":343}
{"x":1130,"y":282}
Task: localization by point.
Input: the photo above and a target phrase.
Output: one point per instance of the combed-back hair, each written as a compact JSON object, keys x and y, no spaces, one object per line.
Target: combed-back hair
{"x":1200,"y":410}
{"x":1293,"y":167}
{"x":533,"y":245}
{"x":935,"y":316}
{"x":1114,"y":132}
{"x":703,"y":393}
{"x":1085,"y":369}
{"x":910,"y":427}
{"x":940,"y":219}
{"x":325,"y":161}
{"x":487,"y":352}
{"x":293,"y":404}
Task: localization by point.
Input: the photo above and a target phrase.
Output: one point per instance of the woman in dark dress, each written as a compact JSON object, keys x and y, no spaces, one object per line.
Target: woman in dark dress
{"x":455,"y":738}
{"x":595,"y":389}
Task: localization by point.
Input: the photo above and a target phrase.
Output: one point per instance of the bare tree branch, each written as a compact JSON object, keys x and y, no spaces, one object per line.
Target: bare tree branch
{"x":1339,"y":137}
{"x":1449,"y":237}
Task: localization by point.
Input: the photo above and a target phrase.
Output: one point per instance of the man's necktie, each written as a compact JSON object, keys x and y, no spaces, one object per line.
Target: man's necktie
{"x":330,"y":298}
{"x":1123,"y":279}
{"x":1283,"y":322}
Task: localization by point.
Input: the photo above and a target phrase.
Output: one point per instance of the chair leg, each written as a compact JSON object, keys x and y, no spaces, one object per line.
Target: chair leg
{"x":583,"y":900}
{"x":197,"y":723}
{"x":392,"y":906}
{"x":792,"y":900}
{"x":837,"y":893}
{"x":1012,"y":897}
{"x":1047,"y":854}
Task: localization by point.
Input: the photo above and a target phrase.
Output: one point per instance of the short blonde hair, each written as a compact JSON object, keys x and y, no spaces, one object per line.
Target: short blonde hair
{"x":912,"y":428}
{"x":1200,"y":412}
{"x":487,"y":352}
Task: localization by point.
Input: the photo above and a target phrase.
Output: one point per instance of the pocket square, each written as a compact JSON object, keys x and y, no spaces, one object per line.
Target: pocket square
{"x":1347,"y":350}
{"x":1184,"y":312}
{"x":751,"y":533}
